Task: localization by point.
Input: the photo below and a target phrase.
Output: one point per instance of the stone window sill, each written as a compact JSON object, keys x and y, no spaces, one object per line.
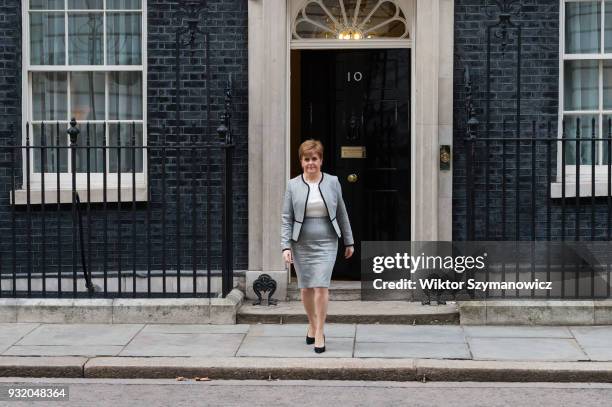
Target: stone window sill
{"x":601,"y":189}
{"x":96,"y":195}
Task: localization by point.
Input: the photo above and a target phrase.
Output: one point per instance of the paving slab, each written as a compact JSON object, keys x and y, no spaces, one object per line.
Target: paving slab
{"x":83,"y":334}
{"x":598,"y":353}
{"x":595,"y":336}
{"x":64,"y":350}
{"x":411,"y":350}
{"x":596,"y":341}
{"x":299,"y":330}
{"x":11,"y":333}
{"x":294,"y":347}
{"x":196,"y":328}
{"x":519,"y":331}
{"x":181,"y":344}
{"x":409,"y":333}
{"x":534,"y":349}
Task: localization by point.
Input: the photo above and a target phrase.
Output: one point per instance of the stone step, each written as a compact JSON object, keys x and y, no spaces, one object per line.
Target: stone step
{"x":351,"y":312}
{"x":338,"y":291}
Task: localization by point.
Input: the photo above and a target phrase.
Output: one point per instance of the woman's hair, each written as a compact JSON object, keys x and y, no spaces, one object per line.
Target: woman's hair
{"x":311,"y":146}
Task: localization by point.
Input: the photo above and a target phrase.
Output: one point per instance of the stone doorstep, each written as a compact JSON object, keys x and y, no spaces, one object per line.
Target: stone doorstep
{"x":372,"y":369}
{"x":123,"y":310}
{"x":338,"y":291}
{"x":536,"y":312}
{"x":350,"y":312}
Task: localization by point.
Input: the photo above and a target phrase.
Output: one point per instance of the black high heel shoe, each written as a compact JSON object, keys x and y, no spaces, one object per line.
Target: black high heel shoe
{"x":309,"y":339}
{"x":321,"y":349}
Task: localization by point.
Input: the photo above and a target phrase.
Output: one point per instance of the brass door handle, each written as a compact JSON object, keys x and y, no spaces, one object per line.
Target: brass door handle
{"x":352,"y":178}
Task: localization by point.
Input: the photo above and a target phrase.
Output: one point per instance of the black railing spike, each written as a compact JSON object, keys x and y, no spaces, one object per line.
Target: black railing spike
{"x":88,"y":136}
{"x":563,"y":128}
{"x":43,"y":136}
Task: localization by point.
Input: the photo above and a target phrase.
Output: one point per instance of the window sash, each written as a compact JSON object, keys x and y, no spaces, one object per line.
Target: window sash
{"x":70,"y":35}
{"x":600,"y":113}
{"x":28,"y":69}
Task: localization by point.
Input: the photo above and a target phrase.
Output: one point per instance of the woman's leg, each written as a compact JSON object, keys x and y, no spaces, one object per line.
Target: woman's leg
{"x":309,"y":305}
{"x":321,"y":298}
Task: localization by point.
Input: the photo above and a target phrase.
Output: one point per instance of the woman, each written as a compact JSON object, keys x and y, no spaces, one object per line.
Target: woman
{"x":314,"y":217}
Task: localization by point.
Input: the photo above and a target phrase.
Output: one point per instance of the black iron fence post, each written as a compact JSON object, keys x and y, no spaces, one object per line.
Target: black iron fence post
{"x":73,"y":132}
{"x":470,"y":143}
{"x":225,"y":132}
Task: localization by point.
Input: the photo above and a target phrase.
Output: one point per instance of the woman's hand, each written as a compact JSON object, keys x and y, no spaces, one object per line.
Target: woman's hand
{"x":287,"y":256}
{"x":348,"y":251}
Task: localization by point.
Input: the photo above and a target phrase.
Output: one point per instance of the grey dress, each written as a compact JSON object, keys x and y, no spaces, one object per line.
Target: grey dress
{"x":314,"y":255}
{"x":314,"y":239}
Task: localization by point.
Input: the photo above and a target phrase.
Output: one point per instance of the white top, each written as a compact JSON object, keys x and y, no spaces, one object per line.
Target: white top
{"x":315,"y":207}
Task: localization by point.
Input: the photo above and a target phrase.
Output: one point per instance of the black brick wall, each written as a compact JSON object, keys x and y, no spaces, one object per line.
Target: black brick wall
{"x":10,"y":67}
{"x":226,"y":22}
{"x":539,"y":102}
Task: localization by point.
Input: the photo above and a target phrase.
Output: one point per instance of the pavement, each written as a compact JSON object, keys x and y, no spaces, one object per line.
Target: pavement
{"x":354,"y":352}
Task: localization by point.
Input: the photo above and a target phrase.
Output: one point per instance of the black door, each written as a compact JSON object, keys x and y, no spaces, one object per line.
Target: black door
{"x":357,"y":102}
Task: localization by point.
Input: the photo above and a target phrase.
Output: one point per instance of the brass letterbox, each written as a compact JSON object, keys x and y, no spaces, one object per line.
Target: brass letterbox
{"x":353,"y":152}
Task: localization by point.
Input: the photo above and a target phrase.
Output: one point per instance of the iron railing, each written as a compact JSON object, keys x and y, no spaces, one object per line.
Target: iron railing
{"x":530,"y":189}
{"x":144,"y":221}
{"x":528,"y":184}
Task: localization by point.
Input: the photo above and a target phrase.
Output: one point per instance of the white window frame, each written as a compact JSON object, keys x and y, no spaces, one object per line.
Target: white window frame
{"x":601,"y":170}
{"x":96,"y":179}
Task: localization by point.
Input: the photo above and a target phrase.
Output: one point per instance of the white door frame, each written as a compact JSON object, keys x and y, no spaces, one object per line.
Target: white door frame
{"x":269,"y":107}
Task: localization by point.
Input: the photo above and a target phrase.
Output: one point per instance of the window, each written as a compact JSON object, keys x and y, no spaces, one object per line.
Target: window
{"x":347,"y":20}
{"x":85,"y":59}
{"x":586,"y":85}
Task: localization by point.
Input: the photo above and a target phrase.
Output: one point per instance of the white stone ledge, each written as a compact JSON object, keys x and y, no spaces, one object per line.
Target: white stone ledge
{"x":601,"y":189}
{"x":123,"y":310}
{"x":96,"y":195}
{"x":536,"y":312}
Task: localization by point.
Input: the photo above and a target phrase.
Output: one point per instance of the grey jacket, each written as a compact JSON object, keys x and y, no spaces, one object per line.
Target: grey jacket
{"x":294,"y":209}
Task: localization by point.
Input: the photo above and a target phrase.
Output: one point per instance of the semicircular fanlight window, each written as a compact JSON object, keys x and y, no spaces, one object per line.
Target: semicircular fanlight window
{"x":350,"y":20}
